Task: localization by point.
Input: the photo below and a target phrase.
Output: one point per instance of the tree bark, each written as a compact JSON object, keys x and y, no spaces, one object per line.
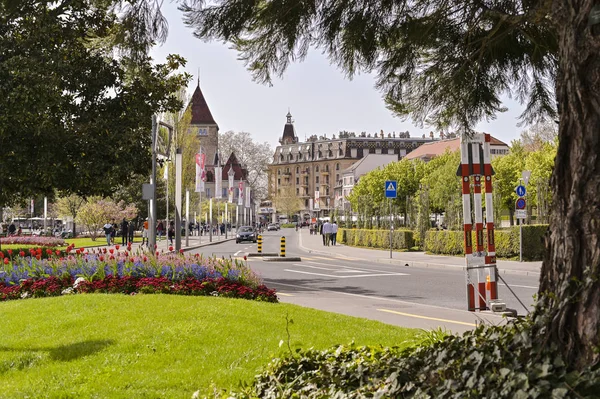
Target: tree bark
{"x":570,"y":270}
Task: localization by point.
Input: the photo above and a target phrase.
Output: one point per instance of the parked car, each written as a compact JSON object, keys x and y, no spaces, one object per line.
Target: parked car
{"x":246,"y":233}
{"x":272,"y":227}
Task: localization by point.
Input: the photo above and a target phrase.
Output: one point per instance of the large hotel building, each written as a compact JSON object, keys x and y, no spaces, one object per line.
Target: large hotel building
{"x":313,"y":169}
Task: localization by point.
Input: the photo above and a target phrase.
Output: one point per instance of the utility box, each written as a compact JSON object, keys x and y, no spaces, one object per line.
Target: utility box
{"x":496,"y":306}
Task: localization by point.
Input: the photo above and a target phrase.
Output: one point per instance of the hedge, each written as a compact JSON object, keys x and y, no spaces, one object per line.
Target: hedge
{"x":507,"y":242}
{"x":402,"y":239}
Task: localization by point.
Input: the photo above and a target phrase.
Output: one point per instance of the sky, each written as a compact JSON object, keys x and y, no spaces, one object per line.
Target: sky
{"x":320,"y":98}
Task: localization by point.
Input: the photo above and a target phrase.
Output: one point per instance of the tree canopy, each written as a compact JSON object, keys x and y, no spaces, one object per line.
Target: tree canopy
{"x":447,"y":63}
{"x":74,"y":117}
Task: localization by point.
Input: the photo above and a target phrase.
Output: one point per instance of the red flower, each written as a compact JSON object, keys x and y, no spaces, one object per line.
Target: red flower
{"x":32,"y":251}
{"x":77,"y":252}
{"x":6,"y":261}
{"x":245,"y":257}
{"x":21,"y":253}
{"x":131,"y":260}
{"x":81,"y":249}
{"x":156,"y":253}
{"x":117,"y":246}
{"x":1,"y":254}
{"x":155,"y":246}
{"x":112,"y":257}
{"x":57,"y":252}
{"x":170,"y":248}
{"x":104,"y":250}
{"x":101,"y":258}
{"x":145,"y":259}
{"x":181,"y":251}
{"x":38,"y":257}
{"x":9,"y":251}
{"x":39,"y":251}
{"x":112,"y":251}
{"x":49,"y":252}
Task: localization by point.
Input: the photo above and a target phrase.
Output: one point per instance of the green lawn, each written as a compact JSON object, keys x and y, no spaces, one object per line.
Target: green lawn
{"x":158,"y":346}
{"x":84,"y":242}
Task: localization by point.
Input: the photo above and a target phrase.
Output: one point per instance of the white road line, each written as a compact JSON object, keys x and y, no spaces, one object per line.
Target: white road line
{"x":346,"y":267}
{"x":334,"y":276}
{"x":520,"y":286}
{"x":237,"y":253}
{"x":312,"y":267}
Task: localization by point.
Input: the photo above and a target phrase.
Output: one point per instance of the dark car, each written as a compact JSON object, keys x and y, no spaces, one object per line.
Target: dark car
{"x":245,"y":233}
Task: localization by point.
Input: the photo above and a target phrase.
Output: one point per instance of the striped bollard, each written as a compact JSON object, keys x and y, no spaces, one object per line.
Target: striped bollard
{"x":282,"y":249}
{"x":259,"y":241}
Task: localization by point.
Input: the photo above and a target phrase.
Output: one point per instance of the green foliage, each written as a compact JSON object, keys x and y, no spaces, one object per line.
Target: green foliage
{"x":74,"y":118}
{"x":122,"y":346}
{"x":401,"y":239}
{"x":288,"y":225}
{"x":493,"y":362}
{"x":450,"y":242}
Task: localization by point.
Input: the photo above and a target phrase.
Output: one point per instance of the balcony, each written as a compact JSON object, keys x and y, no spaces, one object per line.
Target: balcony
{"x":325,"y":173}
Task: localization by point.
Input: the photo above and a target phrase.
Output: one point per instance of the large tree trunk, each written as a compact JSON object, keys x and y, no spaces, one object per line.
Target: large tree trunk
{"x":570,"y":269}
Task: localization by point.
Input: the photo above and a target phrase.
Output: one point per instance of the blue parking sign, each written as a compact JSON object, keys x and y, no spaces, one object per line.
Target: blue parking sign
{"x":391,"y":187}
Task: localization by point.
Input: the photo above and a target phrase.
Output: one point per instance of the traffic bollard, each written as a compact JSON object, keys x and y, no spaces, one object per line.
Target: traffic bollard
{"x":259,"y":241}
{"x":282,"y":249}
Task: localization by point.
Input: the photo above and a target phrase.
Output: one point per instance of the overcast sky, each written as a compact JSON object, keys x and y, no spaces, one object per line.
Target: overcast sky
{"x":321,"y":100}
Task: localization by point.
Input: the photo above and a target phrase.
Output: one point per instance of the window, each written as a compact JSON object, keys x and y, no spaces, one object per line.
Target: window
{"x":337,"y":166}
{"x":297,"y":180}
{"x":297,"y":169}
{"x":317,"y":179}
{"x":202,"y":131}
{"x":278,"y":182}
{"x":317,"y":168}
{"x":297,"y":191}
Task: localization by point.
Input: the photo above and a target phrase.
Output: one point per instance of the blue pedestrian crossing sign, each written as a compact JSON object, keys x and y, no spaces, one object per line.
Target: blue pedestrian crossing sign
{"x":391,"y":186}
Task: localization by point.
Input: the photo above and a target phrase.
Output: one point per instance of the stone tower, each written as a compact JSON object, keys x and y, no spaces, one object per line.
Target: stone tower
{"x":204,"y":125}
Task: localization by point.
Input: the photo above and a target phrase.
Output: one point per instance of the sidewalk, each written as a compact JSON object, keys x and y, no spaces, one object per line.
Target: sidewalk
{"x":163,"y":245}
{"x":314,"y":244}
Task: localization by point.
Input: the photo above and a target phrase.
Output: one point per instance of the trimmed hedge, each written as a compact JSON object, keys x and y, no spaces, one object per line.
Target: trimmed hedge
{"x":402,"y":239}
{"x":507,"y":242}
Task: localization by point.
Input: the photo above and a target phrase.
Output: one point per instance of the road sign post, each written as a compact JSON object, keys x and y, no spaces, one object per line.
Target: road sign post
{"x":391,"y":189}
{"x":520,"y":210}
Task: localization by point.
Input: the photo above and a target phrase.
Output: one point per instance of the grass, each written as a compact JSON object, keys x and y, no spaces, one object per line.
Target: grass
{"x":84,"y":242}
{"x":159,"y":346}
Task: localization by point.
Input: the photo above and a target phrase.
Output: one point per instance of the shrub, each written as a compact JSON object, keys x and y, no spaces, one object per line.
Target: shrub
{"x":487,"y":362}
{"x":506,"y":242}
{"x":401,"y":239}
{"x":288,"y":225}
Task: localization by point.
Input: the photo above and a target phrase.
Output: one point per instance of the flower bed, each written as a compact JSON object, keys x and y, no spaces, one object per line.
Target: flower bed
{"x":114,"y":271}
{"x":33,"y":240}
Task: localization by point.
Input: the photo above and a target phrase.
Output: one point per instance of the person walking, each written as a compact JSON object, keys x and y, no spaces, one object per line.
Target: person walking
{"x":145,"y":232}
{"x":124,"y":231}
{"x":107,"y":231}
{"x":160,"y":229}
{"x":131,"y":231}
{"x":171,"y":232}
{"x":113,"y":233}
{"x":12,"y":229}
{"x":327,"y":232}
{"x":334,"y":230}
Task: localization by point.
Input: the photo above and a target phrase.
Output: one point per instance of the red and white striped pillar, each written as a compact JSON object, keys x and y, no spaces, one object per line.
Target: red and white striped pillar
{"x":490,"y":259}
{"x":467,"y":221}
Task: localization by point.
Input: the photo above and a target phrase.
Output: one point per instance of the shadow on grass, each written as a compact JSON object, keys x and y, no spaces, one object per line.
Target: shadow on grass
{"x":62,"y":353}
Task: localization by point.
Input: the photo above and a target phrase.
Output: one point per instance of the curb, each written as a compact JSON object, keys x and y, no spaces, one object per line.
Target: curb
{"x":257,"y":255}
{"x":282,"y":259}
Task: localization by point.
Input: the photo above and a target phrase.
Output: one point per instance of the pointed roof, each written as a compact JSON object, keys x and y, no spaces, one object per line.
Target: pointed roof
{"x":239,"y":173}
{"x":289,"y":133}
{"x":200,"y":112}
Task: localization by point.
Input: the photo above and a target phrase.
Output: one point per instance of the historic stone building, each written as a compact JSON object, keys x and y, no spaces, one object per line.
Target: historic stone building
{"x":313,"y":168}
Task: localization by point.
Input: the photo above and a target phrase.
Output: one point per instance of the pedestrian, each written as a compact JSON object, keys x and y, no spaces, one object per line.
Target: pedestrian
{"x":124,"y":231}
{"x":160,"y":229}
{"x":113,"y":233}
{"x":191,"y":228}
{"x":107,"y":231}
{"x":322,"y":233}
{"x":334,"y":230}
{"x":131,"y":231}
{"x":171,"y":232}
{"x":145,"y":232}
{"x":327,"y":232}
{"x":12,"y":229}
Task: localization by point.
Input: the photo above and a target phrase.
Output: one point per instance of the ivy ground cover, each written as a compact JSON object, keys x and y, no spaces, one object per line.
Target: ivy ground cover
{"x":29,"y":274}
{"x":160,"y":346}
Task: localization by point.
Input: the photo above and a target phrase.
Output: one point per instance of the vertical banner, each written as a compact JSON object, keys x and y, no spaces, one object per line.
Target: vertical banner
{"x":247,"y":197}
{"x":32,"y":206}
{"x":317,"y":200}
{"x":230,"y":190}
{"x":200,"y":171}
{"x":241,"y":193}
{"x":218,"y":182}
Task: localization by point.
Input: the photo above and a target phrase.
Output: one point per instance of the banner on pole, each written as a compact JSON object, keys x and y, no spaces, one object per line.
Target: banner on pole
{"x":317,"y":200}
{"x":247,"y":197}
{"x":200,"y":171}
{"x":230,"y":189}
{"x":218,"y":182}
{"x":241,"y":193}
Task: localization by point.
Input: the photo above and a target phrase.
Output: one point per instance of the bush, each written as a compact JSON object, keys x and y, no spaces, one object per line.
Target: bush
{"x":506,"y":241}
{"x":401,"y":239}
{"x":288,"y":225}
{"x":487,"y":362}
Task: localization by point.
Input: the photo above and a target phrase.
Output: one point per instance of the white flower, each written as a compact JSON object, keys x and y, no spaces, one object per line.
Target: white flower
{"x":67,"y":291}
{"x":78,"y":281}
{"x":25,"y":295}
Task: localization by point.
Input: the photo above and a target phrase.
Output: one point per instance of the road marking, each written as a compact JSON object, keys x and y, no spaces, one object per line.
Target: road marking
{"x":282,"y":294}
{"x":427,"y":318}
{"x":237,"y":253}
{"x":345,"y":267}
{"x":520,"y":286}
{"x":333,"y":276}
{"x":313,"y":267}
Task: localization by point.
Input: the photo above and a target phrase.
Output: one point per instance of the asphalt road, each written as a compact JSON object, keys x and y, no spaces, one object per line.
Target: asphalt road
{"x":355,"y":282}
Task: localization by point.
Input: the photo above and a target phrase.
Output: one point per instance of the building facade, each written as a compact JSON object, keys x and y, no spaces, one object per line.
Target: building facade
{"x":313,"y":168}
